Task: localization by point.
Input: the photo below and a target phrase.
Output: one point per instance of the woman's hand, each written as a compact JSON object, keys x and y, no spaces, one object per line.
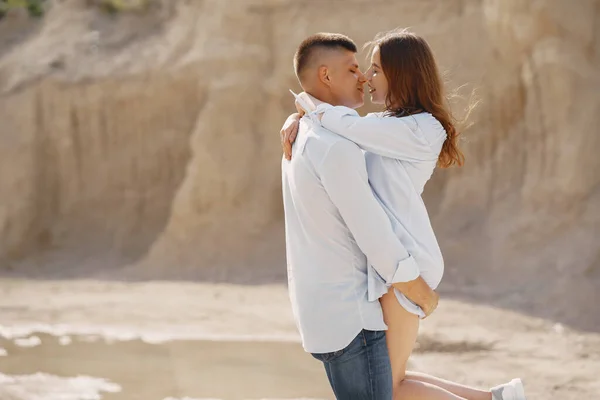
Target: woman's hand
{"x":288,"y":134}
{"x":311,"y":102}
{"x":289,"y":131}
{"x":307,"y":102}
{"x":299,"y":108}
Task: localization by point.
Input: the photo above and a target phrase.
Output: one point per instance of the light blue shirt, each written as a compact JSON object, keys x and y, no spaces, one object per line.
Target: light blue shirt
{"x":401,"y":156}
{"x":333,"y":222}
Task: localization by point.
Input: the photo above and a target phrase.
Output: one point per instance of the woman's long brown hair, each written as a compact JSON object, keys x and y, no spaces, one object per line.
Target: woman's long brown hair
{"x":415,"y":85}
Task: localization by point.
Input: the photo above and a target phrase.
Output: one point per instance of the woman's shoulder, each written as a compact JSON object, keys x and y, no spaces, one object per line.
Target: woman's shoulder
{"x":423,"y":122}
{"x":422,"y":119}
{"x":411,"y":120}
{"x":427,"y":124}
{"x":375,"y":115}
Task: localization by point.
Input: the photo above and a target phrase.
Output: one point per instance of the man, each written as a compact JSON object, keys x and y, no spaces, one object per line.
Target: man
{"x":333,"y":225}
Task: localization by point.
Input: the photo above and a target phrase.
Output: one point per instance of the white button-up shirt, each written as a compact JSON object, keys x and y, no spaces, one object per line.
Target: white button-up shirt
{"x":333,"y":222}
{"x":401,"y":156}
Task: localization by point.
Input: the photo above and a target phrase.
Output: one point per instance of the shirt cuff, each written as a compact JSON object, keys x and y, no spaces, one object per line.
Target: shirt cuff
{"x":376,"y":285}
{"x":408,"y":270}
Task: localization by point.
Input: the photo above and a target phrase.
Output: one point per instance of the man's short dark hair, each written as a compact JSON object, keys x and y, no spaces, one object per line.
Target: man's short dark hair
{"x":323,"y":40}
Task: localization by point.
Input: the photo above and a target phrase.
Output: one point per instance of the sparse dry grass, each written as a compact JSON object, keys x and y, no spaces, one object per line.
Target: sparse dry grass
{"x":117,"y":6}
{"x":34,"y":7}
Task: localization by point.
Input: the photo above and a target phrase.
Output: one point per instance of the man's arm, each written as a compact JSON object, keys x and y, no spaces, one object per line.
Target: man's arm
{"x":389,"y":137}
{"x":344,"y":177}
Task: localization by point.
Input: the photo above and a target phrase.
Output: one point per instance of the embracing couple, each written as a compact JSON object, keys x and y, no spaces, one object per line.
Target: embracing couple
{"x":363,"y":260}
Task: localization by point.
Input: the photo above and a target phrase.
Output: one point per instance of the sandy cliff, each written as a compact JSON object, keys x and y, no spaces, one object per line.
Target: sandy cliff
{"x":145,"y":145}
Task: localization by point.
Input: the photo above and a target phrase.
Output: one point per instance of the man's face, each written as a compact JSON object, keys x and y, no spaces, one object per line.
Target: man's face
{"x":346,"y":80}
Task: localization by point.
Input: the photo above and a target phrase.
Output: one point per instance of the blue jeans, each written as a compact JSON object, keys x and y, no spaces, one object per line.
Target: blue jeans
{"x":362,"y":370}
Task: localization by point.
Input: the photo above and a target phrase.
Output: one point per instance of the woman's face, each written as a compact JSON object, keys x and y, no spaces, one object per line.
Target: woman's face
{"x":378,"y":85}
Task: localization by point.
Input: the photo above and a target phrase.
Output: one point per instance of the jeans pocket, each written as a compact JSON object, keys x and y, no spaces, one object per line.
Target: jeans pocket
{"x":374,"y":336}
{"x":328,"y":357}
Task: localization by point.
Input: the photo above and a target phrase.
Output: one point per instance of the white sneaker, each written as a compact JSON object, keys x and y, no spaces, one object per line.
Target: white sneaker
{"x":512,"y":390}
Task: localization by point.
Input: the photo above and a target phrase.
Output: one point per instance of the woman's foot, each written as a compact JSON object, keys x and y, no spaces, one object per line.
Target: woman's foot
{"x":512,"y":390}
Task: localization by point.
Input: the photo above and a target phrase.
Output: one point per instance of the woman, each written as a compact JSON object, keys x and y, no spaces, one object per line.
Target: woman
{"x":404,"y":144}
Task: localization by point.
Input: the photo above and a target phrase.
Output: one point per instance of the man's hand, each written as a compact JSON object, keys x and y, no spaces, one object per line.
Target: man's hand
{"x":429,"y":307}
{"x":288,"y":134}
{"x":419,"y":292}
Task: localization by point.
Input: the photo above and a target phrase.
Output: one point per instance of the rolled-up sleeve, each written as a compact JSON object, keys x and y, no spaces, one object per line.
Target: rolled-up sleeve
{"x":387,"y":136}
{"x":344,"y":177}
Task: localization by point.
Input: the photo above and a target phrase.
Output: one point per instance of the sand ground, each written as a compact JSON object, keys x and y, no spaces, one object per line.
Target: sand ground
{"x":106,"y":340}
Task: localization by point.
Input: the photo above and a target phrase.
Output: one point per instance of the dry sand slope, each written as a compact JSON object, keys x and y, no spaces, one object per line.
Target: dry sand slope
{"x":145,"y":145}
{"x":151,"y":341}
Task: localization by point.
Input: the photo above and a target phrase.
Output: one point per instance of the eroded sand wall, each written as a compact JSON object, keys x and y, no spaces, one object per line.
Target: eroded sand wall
{"x":149,"y":141}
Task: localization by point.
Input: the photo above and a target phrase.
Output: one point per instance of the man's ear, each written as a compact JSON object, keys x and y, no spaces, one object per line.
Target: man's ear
{"x":323,"y":74}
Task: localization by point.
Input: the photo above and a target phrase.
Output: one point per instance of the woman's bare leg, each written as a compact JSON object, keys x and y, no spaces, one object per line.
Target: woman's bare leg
{"x":401,"y":338}
{"x":456,"y":388}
